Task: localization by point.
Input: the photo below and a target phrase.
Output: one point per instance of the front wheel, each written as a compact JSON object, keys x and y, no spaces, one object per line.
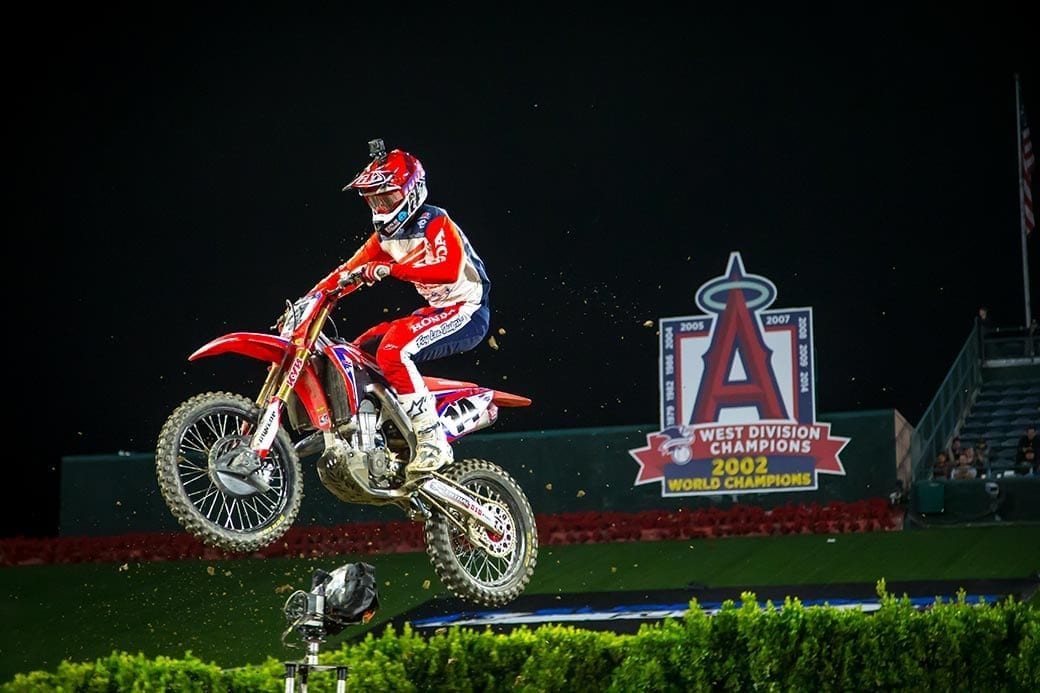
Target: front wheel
{"x":222,"y":509}
{"x":495,"y":570}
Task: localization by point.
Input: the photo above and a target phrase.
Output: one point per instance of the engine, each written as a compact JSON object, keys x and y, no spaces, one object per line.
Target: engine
{"x":360,"y":451}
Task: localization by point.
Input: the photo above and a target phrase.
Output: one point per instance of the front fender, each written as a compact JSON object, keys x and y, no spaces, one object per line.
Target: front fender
{"x":257,"y":345}
{"x":272,"y":348}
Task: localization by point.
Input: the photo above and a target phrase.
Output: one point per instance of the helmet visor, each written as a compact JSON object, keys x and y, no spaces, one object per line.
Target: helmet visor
{"x":385,"y":202}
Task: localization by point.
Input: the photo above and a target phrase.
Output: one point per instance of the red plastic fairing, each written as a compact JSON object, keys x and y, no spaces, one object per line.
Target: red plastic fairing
{"x":501,"y":398}
{"x":436,"y":384}
{"x":507,"y":399}
{"x":272,"y":348}
{"x":257,"y":345}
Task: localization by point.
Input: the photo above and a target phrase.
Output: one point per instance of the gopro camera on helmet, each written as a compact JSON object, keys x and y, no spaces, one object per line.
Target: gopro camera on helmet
{"x":376,"y":149}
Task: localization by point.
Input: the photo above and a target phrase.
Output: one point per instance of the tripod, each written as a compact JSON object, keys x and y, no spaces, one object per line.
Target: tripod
{"x":310,"y":663}
{"x":346,"y":595}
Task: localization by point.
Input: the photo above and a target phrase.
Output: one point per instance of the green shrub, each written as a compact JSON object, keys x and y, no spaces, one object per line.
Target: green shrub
{"x":954,"y":645}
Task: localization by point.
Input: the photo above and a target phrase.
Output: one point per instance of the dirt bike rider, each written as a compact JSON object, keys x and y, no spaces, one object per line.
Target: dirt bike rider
{"x":419,"y":243}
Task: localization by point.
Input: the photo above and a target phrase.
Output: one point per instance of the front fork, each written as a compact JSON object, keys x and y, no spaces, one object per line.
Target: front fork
{"x":271,"y":412}
{"x":279,"y":384}
{"x":267,"y":428}
{"x":243,"y":462}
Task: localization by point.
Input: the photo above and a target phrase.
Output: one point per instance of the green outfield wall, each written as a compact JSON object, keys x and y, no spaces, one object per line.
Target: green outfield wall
{"x":563,"y":470}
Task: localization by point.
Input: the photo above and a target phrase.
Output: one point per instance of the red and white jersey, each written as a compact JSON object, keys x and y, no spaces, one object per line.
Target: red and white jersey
{"x":431,"y":252}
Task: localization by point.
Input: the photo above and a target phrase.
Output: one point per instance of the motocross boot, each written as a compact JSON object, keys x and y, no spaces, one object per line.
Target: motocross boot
{"x":432,"y":450}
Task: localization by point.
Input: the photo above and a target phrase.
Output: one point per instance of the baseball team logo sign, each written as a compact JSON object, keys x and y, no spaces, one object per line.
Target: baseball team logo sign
{"x":738,"y":406}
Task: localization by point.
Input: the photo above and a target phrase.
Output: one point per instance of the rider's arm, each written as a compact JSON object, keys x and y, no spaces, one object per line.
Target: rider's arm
{"x":369,"y":251}
{"x":441,"y":263}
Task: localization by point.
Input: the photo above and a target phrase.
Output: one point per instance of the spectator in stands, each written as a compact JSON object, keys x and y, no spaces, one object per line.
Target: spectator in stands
{"x":1026,"y":443}
{"x":941,"y":468}
{"x":1029,"y":464}
{"x":969,"y":454}
{"x":981,"y":457}
{"x":983,"y":322}
{"x":964,"y":468}
{"x":983,"y":319}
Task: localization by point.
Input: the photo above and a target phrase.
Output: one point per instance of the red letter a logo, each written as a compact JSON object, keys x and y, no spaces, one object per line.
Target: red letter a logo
{"x":736,"y":333}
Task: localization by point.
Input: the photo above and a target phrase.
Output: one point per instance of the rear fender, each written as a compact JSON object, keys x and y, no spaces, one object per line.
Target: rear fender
{"x":443,"y":387}
{"x":466,"y":409}
{"x":272,"y":348}
{"x":508,"y":399}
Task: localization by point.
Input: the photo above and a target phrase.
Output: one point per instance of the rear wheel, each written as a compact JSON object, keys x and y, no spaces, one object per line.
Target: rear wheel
{"x":494,"y":569}
{"x":222,"y":509}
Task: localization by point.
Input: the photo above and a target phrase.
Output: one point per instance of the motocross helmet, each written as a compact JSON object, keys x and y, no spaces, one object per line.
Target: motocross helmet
{"x":393,"y":185}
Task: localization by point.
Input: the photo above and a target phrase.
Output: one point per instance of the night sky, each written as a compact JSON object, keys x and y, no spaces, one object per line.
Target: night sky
{"x":178,"y":175}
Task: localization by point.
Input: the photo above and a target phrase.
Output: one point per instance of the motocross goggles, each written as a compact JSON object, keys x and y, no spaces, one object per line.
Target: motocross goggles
{"x":384,"y":202}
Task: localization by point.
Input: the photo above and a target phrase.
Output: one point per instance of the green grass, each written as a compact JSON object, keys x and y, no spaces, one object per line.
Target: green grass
{"x":936,"y":554}
{"x":230,"y":612}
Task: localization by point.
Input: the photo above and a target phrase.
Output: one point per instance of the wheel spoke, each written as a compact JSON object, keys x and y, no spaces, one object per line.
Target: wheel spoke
{"x":484,"y":568}
{"x":203,"y":442}
{"x":197,"y":449}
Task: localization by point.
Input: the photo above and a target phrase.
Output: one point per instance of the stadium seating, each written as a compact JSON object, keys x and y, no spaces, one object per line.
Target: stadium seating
{"x":999,"y":414}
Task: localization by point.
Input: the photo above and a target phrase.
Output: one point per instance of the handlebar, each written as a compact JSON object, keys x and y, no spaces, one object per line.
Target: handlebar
{"x":322,"y":297}
{"x":352,"y":278}
{"x":335,"y":284}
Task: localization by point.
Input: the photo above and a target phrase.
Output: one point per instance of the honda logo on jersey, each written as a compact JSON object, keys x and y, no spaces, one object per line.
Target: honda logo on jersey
{"x":738,"y":409}
{"x":435,"y":253}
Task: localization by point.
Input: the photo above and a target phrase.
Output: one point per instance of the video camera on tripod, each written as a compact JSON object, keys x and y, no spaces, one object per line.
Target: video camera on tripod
{"x":344,"y":597}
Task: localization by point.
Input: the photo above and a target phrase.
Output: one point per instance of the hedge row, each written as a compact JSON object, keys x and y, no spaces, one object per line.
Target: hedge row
{"x":744,"y":646}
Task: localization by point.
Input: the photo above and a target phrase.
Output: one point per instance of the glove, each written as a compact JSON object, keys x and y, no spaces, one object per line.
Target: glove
{"x":372,"y":272}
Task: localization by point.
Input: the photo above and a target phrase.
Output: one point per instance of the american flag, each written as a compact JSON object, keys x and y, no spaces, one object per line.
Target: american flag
{"x":1028,"y":164}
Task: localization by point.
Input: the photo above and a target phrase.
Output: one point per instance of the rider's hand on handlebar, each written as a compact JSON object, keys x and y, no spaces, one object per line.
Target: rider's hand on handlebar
{"x":373,"y":272}
{"x":369,"y":273}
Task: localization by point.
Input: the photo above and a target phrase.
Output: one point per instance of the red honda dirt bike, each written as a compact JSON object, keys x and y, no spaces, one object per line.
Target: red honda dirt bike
{"x":229,"y":467}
